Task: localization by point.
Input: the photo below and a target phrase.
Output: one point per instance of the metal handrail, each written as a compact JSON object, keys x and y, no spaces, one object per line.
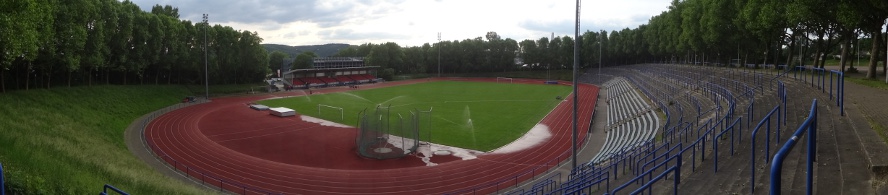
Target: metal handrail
{"x":809,"y":126}
{"x":112,"y":188}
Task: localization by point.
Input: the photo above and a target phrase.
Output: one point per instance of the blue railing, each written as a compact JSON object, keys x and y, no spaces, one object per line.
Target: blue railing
{"x":665,"y":155}
{"x":715,"y":140}
{"x":112,"y":188}
{"x":840,"y":90}
{"x":675,"y":169}
{"x":644,"y":158}
{"x":2,"y":184}
{"x":767,"y":122}
{"x":677,"y":157}
{"x":810,"y":127}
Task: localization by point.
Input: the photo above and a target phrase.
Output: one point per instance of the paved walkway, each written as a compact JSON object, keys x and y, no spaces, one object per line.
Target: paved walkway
{"x":867,"y":108}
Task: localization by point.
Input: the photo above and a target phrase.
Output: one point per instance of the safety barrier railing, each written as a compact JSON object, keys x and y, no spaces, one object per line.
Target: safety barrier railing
{"x":593,"y":179}
{"x":766,"y":121}
{"x":2,"y":182}
{"x":652,"y":154}
{"x":717,"y":137}
{"x":649,"y":173}
{"x":810,"y":127}
{"x":840,"y":89}
{"x":674,"y":169}
{"x":667,"y":154}
{"x":113,"y":189}
{"x":816,"y":77}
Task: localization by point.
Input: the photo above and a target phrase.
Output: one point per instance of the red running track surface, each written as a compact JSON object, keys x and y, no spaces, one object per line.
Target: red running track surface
{"x":227,"y":145}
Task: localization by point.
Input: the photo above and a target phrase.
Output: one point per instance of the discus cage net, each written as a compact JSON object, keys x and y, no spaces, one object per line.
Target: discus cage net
{"x":386,"y":135}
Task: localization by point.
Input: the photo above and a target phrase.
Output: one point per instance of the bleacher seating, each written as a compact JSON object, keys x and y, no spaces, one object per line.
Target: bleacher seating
{"x":298,"y":82}
{"x":314,"y":81}
{"x":630,"y":119}
{"x":344,"y":79}
{"x":329,"y":81}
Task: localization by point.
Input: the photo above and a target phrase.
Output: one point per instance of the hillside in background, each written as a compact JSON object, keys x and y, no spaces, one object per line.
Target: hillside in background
{"x":321,"y":50}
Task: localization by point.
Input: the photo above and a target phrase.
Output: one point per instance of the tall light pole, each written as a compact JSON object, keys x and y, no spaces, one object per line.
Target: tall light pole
{"x":575,"y":83}
{"x":600,"y":41}
{"x":206,"y":61}
{"x":439,"y":54}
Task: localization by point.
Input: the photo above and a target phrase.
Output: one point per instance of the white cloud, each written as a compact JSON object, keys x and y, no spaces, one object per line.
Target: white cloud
{"x":414,"y":22}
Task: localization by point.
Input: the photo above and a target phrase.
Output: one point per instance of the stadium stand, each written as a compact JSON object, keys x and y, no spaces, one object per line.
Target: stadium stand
{"x":345,"y":80}
{"x":331,"y":72}
{"x":718,"y":99}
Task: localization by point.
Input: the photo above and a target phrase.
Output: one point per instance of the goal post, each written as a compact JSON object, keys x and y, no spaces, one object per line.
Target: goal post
{"x":330,"y":108}
{"x":503,"y":79}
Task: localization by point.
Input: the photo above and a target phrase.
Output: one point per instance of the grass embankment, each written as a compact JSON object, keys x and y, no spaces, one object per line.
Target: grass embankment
{"x":70,"y":140}
{"x":475,"y":115}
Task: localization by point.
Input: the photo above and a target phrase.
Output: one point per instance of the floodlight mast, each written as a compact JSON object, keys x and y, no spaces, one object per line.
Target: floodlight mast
{"x":576,"y":63}
{"x":439,"y":54}
{"x":206,"y":60}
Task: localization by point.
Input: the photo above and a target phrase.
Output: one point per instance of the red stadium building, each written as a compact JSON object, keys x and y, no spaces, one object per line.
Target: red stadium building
{"x":332,"y":71}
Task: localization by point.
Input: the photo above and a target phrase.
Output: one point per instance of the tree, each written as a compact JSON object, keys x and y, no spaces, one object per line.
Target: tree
{"x":303,"y":60}
{"x":492,"y":36}
{"x":276,"y":59}
{"x":388,"y":55}
{"x":23,"y":32}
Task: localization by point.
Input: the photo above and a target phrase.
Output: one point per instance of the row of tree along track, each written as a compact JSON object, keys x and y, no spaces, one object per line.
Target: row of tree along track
{"x":179,"y":138}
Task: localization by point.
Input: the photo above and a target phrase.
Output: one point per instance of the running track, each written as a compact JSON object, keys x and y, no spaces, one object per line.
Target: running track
{"x":181,"y":138}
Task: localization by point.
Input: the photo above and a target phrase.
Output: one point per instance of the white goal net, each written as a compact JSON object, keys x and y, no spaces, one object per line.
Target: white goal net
{"x":330,"y":111}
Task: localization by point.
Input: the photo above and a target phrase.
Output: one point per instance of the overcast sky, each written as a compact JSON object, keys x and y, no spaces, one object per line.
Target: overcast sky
{"x":413,"y":22}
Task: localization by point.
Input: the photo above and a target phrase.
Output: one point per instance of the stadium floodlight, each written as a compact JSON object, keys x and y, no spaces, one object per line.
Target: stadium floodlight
{"x":206,"y":62}
{"x":575,"y":92}
{"x":439,"y":54}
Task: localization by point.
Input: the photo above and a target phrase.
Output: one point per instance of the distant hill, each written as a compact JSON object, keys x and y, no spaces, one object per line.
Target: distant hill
{"x":321,"y":50}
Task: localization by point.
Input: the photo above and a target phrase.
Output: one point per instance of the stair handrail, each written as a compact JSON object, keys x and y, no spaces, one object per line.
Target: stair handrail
{"x":809,"y":126}
{"x":2,"y":184}
{"x":112,"y":188}
{"x":764,"y":121}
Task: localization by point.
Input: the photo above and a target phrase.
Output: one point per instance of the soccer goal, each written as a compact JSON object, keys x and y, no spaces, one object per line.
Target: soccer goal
{"x":328,"y":109}
{"x":503,"y":79}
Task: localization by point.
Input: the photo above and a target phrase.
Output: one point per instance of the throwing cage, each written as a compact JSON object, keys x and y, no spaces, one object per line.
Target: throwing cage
{"x":381,"y":136}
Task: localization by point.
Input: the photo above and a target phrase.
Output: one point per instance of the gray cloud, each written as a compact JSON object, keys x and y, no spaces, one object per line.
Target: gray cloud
{"x":347,"y":34}
{"x":566,"y":27}
{"x":275,"y":12}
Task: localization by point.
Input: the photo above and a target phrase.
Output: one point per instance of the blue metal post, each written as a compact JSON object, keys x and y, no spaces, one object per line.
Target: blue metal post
{"x":842,"y":94}
{"x":830,"y":85}
{"x":2,"y":184}
{"x":810,"y":126}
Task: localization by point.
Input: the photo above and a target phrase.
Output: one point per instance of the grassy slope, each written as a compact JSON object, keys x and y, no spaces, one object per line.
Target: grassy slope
{"x":70,"y":140}
{"x":500,"y":113}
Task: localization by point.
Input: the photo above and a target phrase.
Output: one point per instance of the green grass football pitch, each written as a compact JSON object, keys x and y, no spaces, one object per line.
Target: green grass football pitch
{"x":474,"y":115}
